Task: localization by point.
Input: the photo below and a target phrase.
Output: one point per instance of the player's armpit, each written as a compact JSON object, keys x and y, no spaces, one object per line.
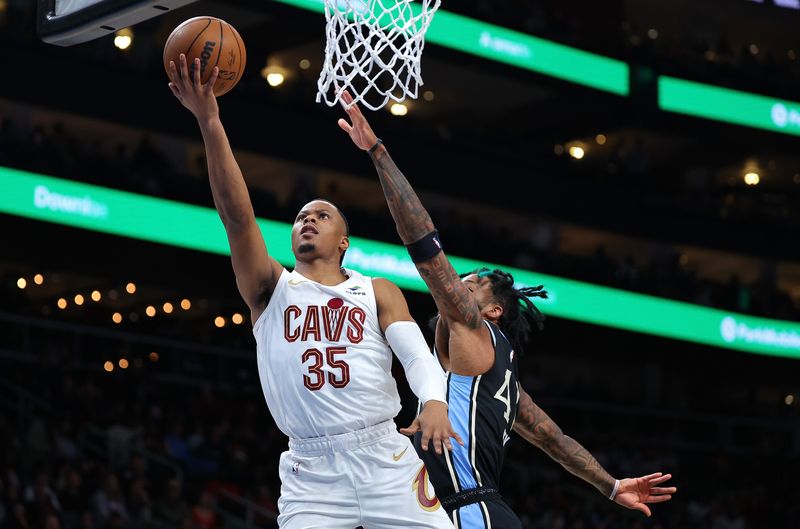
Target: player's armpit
{"x":471,"y":351}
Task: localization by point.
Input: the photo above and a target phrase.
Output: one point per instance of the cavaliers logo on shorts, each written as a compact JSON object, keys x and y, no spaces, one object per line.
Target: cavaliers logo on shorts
{"x":420,"y":486}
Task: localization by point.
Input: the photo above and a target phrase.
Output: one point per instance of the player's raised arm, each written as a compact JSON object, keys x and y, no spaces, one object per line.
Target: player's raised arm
{"x":536,"y":427}
{"x":424,"y":375}
{"x":256,"y":272}
{"x":461,"y":318}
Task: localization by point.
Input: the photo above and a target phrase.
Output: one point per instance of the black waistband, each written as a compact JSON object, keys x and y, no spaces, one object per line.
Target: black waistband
{"x":466,"y":497}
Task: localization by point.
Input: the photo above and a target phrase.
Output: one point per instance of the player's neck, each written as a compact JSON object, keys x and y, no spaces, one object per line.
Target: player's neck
{"x":323,"y":272}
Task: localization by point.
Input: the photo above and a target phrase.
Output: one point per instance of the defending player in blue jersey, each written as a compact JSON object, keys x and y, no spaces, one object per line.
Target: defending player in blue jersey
{"x":483,"y":321}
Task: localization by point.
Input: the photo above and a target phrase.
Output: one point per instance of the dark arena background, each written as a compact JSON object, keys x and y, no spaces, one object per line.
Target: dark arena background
{"x":639,"y":159}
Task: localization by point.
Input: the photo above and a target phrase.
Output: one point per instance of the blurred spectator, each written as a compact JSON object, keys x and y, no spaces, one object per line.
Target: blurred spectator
{"x":37,"y":442}
{"x":172,"y":508}
{"x":140,"y":504}
{"x":266,"y":501}
{"x":64,"y":443}
{"x":720,"y":490}
{"x":74,"y":497}
{"x":109,"y":502}
{"x":52,"y":522}
{"x":135,"y":471}
{"x":19,"y":518}
{"x":203,"y":514}
{"x":40,"y":500}
{"x":87,"y":521}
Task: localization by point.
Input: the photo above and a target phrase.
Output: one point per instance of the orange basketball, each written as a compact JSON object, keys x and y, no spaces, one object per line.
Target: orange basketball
{"x":216,"y":43}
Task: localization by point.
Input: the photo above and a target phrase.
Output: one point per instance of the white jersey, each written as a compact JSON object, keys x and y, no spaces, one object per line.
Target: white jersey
{"x":324,"y":364}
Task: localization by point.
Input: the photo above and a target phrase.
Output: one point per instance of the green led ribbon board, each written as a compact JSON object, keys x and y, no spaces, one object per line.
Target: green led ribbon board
{"x":187,"y":226}
{"x":516,"y":49}
{"x":729,"y":106}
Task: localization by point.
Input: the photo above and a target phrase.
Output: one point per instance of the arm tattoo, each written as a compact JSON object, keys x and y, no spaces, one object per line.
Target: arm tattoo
{"x":413,"y":222}
{"x":537,"y":428}
{"x":451,"y":296}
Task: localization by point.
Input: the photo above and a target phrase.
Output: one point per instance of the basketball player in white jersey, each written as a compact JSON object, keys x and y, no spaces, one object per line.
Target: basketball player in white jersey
{"x":325,"y":337}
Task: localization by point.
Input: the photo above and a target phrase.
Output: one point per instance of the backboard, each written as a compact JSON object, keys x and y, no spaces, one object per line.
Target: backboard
{"x":70,"y":22}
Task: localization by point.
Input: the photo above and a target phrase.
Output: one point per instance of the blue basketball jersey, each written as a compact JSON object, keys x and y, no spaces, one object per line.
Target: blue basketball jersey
{"x":482,"y":409}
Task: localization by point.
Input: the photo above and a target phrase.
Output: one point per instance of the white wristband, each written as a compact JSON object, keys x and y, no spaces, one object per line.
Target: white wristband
{"x":614,"y":492}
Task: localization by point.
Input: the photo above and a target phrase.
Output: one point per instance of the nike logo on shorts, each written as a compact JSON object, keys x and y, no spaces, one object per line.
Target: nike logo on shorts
{"x":398,"y":457}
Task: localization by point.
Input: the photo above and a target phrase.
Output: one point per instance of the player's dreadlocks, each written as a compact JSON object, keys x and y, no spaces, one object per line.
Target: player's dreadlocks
{"x":518,"y":310}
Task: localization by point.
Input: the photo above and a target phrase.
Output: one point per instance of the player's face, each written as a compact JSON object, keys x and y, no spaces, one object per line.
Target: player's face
{"x":318,"y":231}
{"x":481,"y":289}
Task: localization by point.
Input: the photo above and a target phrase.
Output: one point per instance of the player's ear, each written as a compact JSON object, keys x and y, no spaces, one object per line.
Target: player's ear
{"x":494,"y":311}
{"x":344,"y":244}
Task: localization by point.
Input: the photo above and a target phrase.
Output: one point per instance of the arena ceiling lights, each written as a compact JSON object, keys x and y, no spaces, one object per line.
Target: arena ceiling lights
{"x":141,"y":217}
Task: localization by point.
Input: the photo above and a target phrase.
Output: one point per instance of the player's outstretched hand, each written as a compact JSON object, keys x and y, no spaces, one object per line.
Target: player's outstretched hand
{"x":359,"y":130}
{"x":435,"y":426}
{"x":199,"y":98}
{"x":635,"y":493}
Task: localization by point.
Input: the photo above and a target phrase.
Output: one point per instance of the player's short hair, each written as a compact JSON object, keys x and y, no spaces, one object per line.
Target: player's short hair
{"x":519,"y":312}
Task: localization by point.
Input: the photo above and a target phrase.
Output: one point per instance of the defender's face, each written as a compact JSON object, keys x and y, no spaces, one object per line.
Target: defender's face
{"x":318,"y":230}
{"x":481,"y":290}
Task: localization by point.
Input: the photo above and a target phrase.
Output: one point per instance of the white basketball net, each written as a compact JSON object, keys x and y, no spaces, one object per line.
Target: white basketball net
{"x":374,"y":49}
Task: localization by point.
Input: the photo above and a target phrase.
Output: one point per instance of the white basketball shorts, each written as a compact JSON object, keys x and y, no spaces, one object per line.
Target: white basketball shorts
{"x":370,"y":477}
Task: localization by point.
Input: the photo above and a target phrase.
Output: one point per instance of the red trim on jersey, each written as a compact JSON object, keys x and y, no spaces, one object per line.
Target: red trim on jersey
{"x":356,"y":317}
{"x":311,"y":325}
{"x":316,"y":368}
{"x":293,"y":335}
{"x":339,"y":364}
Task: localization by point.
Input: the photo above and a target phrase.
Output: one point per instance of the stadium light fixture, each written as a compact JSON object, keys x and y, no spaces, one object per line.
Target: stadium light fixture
{"x":398,"y":109}
{"x":577,"y":152}
{"x":752,"y":178}
{"x":123,"y":38}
